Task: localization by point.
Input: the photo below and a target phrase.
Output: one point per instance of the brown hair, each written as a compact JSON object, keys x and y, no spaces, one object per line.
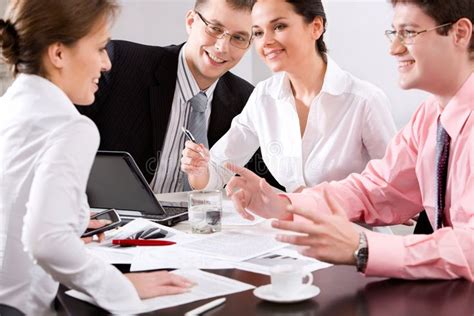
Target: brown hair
{"x":234,"y":4}
{"x":31,"y":26}
{"x":445,"y":11}
{"x":309,"y":10}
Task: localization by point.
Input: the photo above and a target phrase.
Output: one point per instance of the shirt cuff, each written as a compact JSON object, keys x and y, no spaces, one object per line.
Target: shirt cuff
{"x":213,"y":183}
{"x":386,"y":255}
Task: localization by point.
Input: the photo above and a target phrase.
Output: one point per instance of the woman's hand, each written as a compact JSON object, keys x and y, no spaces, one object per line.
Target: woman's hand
{"x":195,"y":163}
{"x":152,"y":284}
{"x":250,"y":192}
{"x":94,"y":224}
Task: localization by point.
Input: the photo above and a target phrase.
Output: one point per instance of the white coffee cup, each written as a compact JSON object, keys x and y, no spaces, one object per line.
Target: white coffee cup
{"x":287,"y":280}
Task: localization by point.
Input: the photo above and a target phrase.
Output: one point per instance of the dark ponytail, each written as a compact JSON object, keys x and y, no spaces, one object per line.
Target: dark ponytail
{"x":31,"y":26}
{"x":9,"y":43}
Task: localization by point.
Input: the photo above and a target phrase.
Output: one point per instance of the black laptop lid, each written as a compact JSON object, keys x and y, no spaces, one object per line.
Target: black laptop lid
{"x":116,"y":182}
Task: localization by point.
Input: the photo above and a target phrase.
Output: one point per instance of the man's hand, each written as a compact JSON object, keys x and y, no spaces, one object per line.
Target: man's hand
{"x":327,"y":237}
{"x":195,"y":163}
{"x":249,"y":192}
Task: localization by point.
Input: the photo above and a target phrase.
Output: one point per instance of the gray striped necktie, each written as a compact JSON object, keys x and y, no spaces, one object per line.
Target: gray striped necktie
{"x":197,"y":119}
{"x":197,"y":125}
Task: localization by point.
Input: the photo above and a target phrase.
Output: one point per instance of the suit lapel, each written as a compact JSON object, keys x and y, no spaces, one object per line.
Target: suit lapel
{"x":224,"y":108}
{"x":161,"y":95}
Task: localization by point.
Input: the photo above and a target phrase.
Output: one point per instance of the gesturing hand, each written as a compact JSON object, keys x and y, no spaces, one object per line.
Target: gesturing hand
{"x":250,"y":192}
{"x":327,"y":237}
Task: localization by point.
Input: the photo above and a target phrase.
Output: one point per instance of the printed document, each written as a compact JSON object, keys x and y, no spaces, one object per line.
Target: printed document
{"x":174,"y":257}
{"x":289,"y":255}
{"x":234,"y":246}
{"x":207,"y":285}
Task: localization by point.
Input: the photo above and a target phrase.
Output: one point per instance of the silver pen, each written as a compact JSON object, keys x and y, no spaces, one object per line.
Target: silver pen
{"x":190,"y":137}
{"x":206,"y":307}
{"x":188,"y":134}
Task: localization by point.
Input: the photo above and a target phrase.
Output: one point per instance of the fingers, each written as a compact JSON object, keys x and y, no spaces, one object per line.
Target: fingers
{"x":296,"y":240}
{"x":240,"y":202}
{"x":169,"y":290}
{"x":243,"y":172}
{"x":101,"y":237}
{"x":313,"y":216}
{"x":195,"y":157}
{"x":298,"y":227}
{"x":86,"y":240}
{"x":234,"y":184}
{"x":166,"y":278}
{"x":97,"y":223}
{"x":158,"y":283}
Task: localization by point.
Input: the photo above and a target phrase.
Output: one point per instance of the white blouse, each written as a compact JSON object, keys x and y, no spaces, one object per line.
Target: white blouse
{"x":349,"y":123}
{"x":46,"y":152}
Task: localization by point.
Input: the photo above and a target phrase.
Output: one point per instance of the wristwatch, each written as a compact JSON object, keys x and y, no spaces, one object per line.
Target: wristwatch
{"x":362,"y":253}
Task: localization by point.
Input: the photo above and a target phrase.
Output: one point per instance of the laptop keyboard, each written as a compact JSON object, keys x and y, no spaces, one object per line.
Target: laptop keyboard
{"x":171,"y":211}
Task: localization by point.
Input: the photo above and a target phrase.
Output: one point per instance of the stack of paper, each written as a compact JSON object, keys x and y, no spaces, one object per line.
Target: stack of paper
{"x":207,"y":285}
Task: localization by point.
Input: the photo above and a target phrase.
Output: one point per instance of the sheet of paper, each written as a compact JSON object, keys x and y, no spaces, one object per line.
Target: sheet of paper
{"x":125,"y":255}
{"x":113,"y":255}
{"x":173,"y":257}
{"x":207,"y":285}
{"x":289,"y":255}
{"x":234,"y":246}
{"x":230,"y":217}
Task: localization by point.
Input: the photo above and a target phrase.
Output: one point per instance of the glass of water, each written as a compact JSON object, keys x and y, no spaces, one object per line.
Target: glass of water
{"x":205,"y":211}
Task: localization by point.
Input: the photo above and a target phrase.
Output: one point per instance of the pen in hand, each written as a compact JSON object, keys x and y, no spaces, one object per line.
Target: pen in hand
{"x":190,"y":137}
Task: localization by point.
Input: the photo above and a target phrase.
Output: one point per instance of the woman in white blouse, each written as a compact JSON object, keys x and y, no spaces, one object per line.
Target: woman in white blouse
{"x":313,"y":121}
{"x":57,"y":52}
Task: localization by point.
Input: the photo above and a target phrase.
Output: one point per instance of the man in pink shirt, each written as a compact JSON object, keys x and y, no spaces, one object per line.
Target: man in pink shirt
{"x":428,"y":165}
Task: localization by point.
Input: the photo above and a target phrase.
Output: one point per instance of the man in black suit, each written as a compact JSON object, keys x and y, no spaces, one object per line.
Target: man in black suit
{"x":144,"y":100}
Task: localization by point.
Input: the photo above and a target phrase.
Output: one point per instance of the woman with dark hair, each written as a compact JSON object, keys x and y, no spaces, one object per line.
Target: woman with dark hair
{"x":313,"y":121}
{"x":56,"y":50}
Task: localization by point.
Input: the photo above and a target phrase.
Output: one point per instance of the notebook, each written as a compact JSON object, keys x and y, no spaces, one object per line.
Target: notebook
{"x":116,"y":182}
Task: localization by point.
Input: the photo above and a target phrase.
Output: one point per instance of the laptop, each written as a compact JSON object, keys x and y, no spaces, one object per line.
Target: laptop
{"x":116,"y":182}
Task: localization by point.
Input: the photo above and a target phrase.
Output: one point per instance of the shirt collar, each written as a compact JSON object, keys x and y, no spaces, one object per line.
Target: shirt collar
{"x":459,"y":108}
{"x":57,"y":101}
{"x":335,"y":81}
{"x":187,"y":83}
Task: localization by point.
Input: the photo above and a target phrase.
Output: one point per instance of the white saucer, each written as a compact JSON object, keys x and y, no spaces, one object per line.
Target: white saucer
{"x":265,"y":292}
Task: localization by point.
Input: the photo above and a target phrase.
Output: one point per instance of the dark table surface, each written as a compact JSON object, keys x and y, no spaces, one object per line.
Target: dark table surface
{"x":343,"y":292}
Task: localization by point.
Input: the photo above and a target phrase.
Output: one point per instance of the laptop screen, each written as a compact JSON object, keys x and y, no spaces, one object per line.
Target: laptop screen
{"x":116,"y":182}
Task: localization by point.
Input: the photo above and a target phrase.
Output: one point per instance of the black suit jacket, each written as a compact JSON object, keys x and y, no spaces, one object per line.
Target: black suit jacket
{"x":134,"y":100}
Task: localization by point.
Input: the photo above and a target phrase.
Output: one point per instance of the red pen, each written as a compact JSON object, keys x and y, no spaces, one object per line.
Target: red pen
{"x":142,"y":242}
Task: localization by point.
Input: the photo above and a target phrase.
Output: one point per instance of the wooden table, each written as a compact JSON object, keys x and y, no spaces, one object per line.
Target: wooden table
{"x":343,"y":292}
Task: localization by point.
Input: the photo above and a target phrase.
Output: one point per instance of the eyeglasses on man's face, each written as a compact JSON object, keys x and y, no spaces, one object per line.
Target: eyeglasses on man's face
{"x":238,"y":40}
{"x":407,"y":37}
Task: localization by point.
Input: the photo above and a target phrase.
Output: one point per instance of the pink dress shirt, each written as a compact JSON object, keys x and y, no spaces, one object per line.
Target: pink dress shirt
{"x":395,"y":188}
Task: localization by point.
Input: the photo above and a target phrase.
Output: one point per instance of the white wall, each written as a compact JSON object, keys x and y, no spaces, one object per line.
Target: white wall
{"x":355,"y":39}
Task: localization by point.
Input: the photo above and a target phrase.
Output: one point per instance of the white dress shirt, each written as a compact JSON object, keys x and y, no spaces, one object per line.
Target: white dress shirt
{"x":349,"y":123}
{"x":46,"y":152}
{"x":168,"y":176}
